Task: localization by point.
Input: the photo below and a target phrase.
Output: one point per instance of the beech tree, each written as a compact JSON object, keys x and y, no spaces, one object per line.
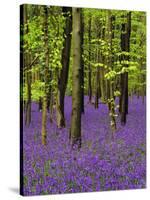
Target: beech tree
{"x":75,"y":131}
{"x":89,"y":58}
{"x":125,"y":47}
{"x":44,"y":103}
{"x":63,"y":78}
{"x":111,"y":100}
{"x":28,"y":73}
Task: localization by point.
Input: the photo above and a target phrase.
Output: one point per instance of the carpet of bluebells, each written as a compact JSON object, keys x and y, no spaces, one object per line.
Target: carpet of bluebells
{"x":103,"y":163}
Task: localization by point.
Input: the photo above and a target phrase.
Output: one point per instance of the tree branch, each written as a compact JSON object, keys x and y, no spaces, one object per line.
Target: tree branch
{"x":30,"y":65}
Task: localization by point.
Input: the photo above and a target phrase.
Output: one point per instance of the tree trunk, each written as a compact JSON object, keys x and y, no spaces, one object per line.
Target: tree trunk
{"x":63,"y":78}
{"x":51,"y":106}
{"x":82,"y":63}
{"x":125,"y":46}
{"x":89,"y":65}
{"x":44,"y":105}
{"x":97,"y":88}
{"x":28,"y":74}
{"x":111,"y":100}
{"x":102,"y":73}
{"x":28,"y":102}
{"x":44,"y":120}
{"x":75,"y":131}
{"x":40,"y":104}
{"x":49,"y":90}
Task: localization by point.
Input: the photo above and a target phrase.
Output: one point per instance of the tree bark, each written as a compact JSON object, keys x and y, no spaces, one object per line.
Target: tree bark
{"x":102,"y":73}
{"x":97,"y":88}
{"x":111,"y":100}
{"x":40,"y":104}
{"x":28,"y":73}
{"x":89,"y":65}
{"x":82,"y":63}
{"x":75,"y":131}
{"x":125,"y":46}
{"x":63,"y":78}
{"x":98,"y":60}
{"x":44,"y":103}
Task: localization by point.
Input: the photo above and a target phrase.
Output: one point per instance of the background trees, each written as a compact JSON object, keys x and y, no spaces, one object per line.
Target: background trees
{"x":81,"y":52}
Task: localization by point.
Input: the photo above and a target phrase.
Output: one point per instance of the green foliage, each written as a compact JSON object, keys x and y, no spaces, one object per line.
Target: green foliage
{"x":117,"y":93}
{"x":37,"y":90}
{"x":99,"y":47}
{"x":110,"y":75}
{"x":99,"y":65}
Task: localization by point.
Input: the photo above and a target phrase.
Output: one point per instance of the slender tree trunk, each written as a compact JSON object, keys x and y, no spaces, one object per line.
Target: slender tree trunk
{"x":48,"y":92}
{"x":82,"y":63}
{"x":107,"y":59}
{"x":125,"y":46}
{"x":44,"y":120}
{"x":102,"y":86}
{"x":97,"y":89}
{"x":51,"y":106}
{"x":111,"y":100}
{"x":28,"y":74}
{"x":49,"y":97}
{"x":28,"y":102}
{"x":89,"y":65}
{"x":75,"y":131}
{"x":44,"y":105}
{"x":102,"y":73}
{"x":40,"y":104}
{"x":63,"y":78}
{"x":98,"y":60}
{"x":23,"y":18}
{"x":128,"y":57}
{"x":40,"y":98}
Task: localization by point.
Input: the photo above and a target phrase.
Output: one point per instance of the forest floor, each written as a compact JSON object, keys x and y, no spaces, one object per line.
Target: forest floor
{"x":102,"y":163}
